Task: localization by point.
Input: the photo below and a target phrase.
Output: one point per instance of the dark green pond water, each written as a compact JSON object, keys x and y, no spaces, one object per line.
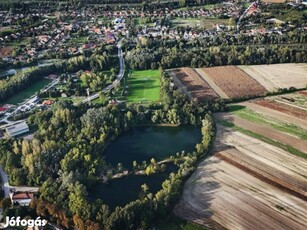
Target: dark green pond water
{"x":121,"y":191}
{"x":141,"y":144}
{"x":144,"y":143}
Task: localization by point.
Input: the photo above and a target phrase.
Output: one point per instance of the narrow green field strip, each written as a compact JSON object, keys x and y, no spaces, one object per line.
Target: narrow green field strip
{"x":278,"y":144}
{"x":258,"y":118}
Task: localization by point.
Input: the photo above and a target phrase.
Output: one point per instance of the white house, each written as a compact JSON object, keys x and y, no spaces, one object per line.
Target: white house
{"x":17,"y":129}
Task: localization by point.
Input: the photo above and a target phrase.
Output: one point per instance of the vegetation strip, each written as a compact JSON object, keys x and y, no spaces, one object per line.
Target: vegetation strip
{"x":258,"y":118}
{"x":285,"y":147}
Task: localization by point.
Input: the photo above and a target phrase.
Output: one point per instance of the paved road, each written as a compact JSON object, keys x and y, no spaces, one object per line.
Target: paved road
{"x":119,"y":77}
{"x":5,"y":182}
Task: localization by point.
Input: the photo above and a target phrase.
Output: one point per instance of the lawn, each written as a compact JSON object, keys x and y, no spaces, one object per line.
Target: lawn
{"x":143,"y":86}
{"x":27,"y":93}
{"x":258,"y":118}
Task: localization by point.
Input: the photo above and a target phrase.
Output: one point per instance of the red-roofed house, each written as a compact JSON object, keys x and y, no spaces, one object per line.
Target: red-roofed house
{"x":47,"y":102}
{"x":22,"y":199}
{"x":2,"y":110}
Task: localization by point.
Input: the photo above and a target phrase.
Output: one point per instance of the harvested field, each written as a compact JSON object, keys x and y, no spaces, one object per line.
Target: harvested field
{"x":274,"y":114}
{"x":234,"y":82}
{"x":277,"y":76}
{"x":303,"y":93}
{"x":251,"y":185}
{"x":265,"y":131}
{"x":194,"y":84}
{"x":287,"y":109}
{"x":211,"y":83}
{"x":296,"y":99}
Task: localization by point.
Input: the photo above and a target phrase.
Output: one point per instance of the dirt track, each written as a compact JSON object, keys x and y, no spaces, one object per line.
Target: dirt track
{"x":236,"y":199}
{"x":265,"y":131}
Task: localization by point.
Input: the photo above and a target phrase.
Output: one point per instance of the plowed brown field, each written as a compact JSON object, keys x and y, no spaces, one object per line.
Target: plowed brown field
{"x":234,"y":82}
{"x":195,"y":84}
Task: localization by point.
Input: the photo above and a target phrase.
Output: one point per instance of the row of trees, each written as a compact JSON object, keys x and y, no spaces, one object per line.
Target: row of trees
{"x":143,"y":58}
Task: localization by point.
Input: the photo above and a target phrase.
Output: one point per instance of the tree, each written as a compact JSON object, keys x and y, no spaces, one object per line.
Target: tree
{"x":77,"y":201}
{"x":135,"y":165}
{"x":6,"y":203}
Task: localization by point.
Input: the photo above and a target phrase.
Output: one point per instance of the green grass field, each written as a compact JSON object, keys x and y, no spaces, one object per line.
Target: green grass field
{"x":26,"y":93}
{"x":258,"y":118}
{"x":143,"y":86}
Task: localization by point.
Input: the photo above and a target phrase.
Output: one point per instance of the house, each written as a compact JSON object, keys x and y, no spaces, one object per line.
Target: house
{"x":47,"y":102}
{"x":2,"y":110}
{"x":22,"y":199}
{"x":17,"y":129}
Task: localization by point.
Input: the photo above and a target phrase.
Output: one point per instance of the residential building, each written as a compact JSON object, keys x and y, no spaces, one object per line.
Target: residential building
{"x":23,"y":199}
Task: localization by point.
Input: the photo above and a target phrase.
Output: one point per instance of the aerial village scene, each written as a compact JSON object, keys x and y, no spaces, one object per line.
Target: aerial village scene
{"x":138,"y":114}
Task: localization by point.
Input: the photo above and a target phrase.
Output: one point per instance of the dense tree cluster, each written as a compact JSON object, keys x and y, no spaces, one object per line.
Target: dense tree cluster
{"x":66,"y":158}
{"x":143,"y":58}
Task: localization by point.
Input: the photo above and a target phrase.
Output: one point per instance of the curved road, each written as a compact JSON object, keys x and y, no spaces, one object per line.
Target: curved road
{"x":5,"y":182}
{"x":119,"y":76}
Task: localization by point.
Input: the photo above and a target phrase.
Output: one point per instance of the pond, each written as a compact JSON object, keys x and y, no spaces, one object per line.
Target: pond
{"x":121,"y":191}
{"x":144,"y":143}
{"x":22,"y":95}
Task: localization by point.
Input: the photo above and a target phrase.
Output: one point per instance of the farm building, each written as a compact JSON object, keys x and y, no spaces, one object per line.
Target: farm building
{"x":17,"y":129}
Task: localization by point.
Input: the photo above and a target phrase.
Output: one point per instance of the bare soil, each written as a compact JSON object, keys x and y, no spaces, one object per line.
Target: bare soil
{"x":194,"y":84}
{"x":247,"y":184}
{"x":234,"y":82}
{"x":275,"y":114}
{"x":287,"y":109}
